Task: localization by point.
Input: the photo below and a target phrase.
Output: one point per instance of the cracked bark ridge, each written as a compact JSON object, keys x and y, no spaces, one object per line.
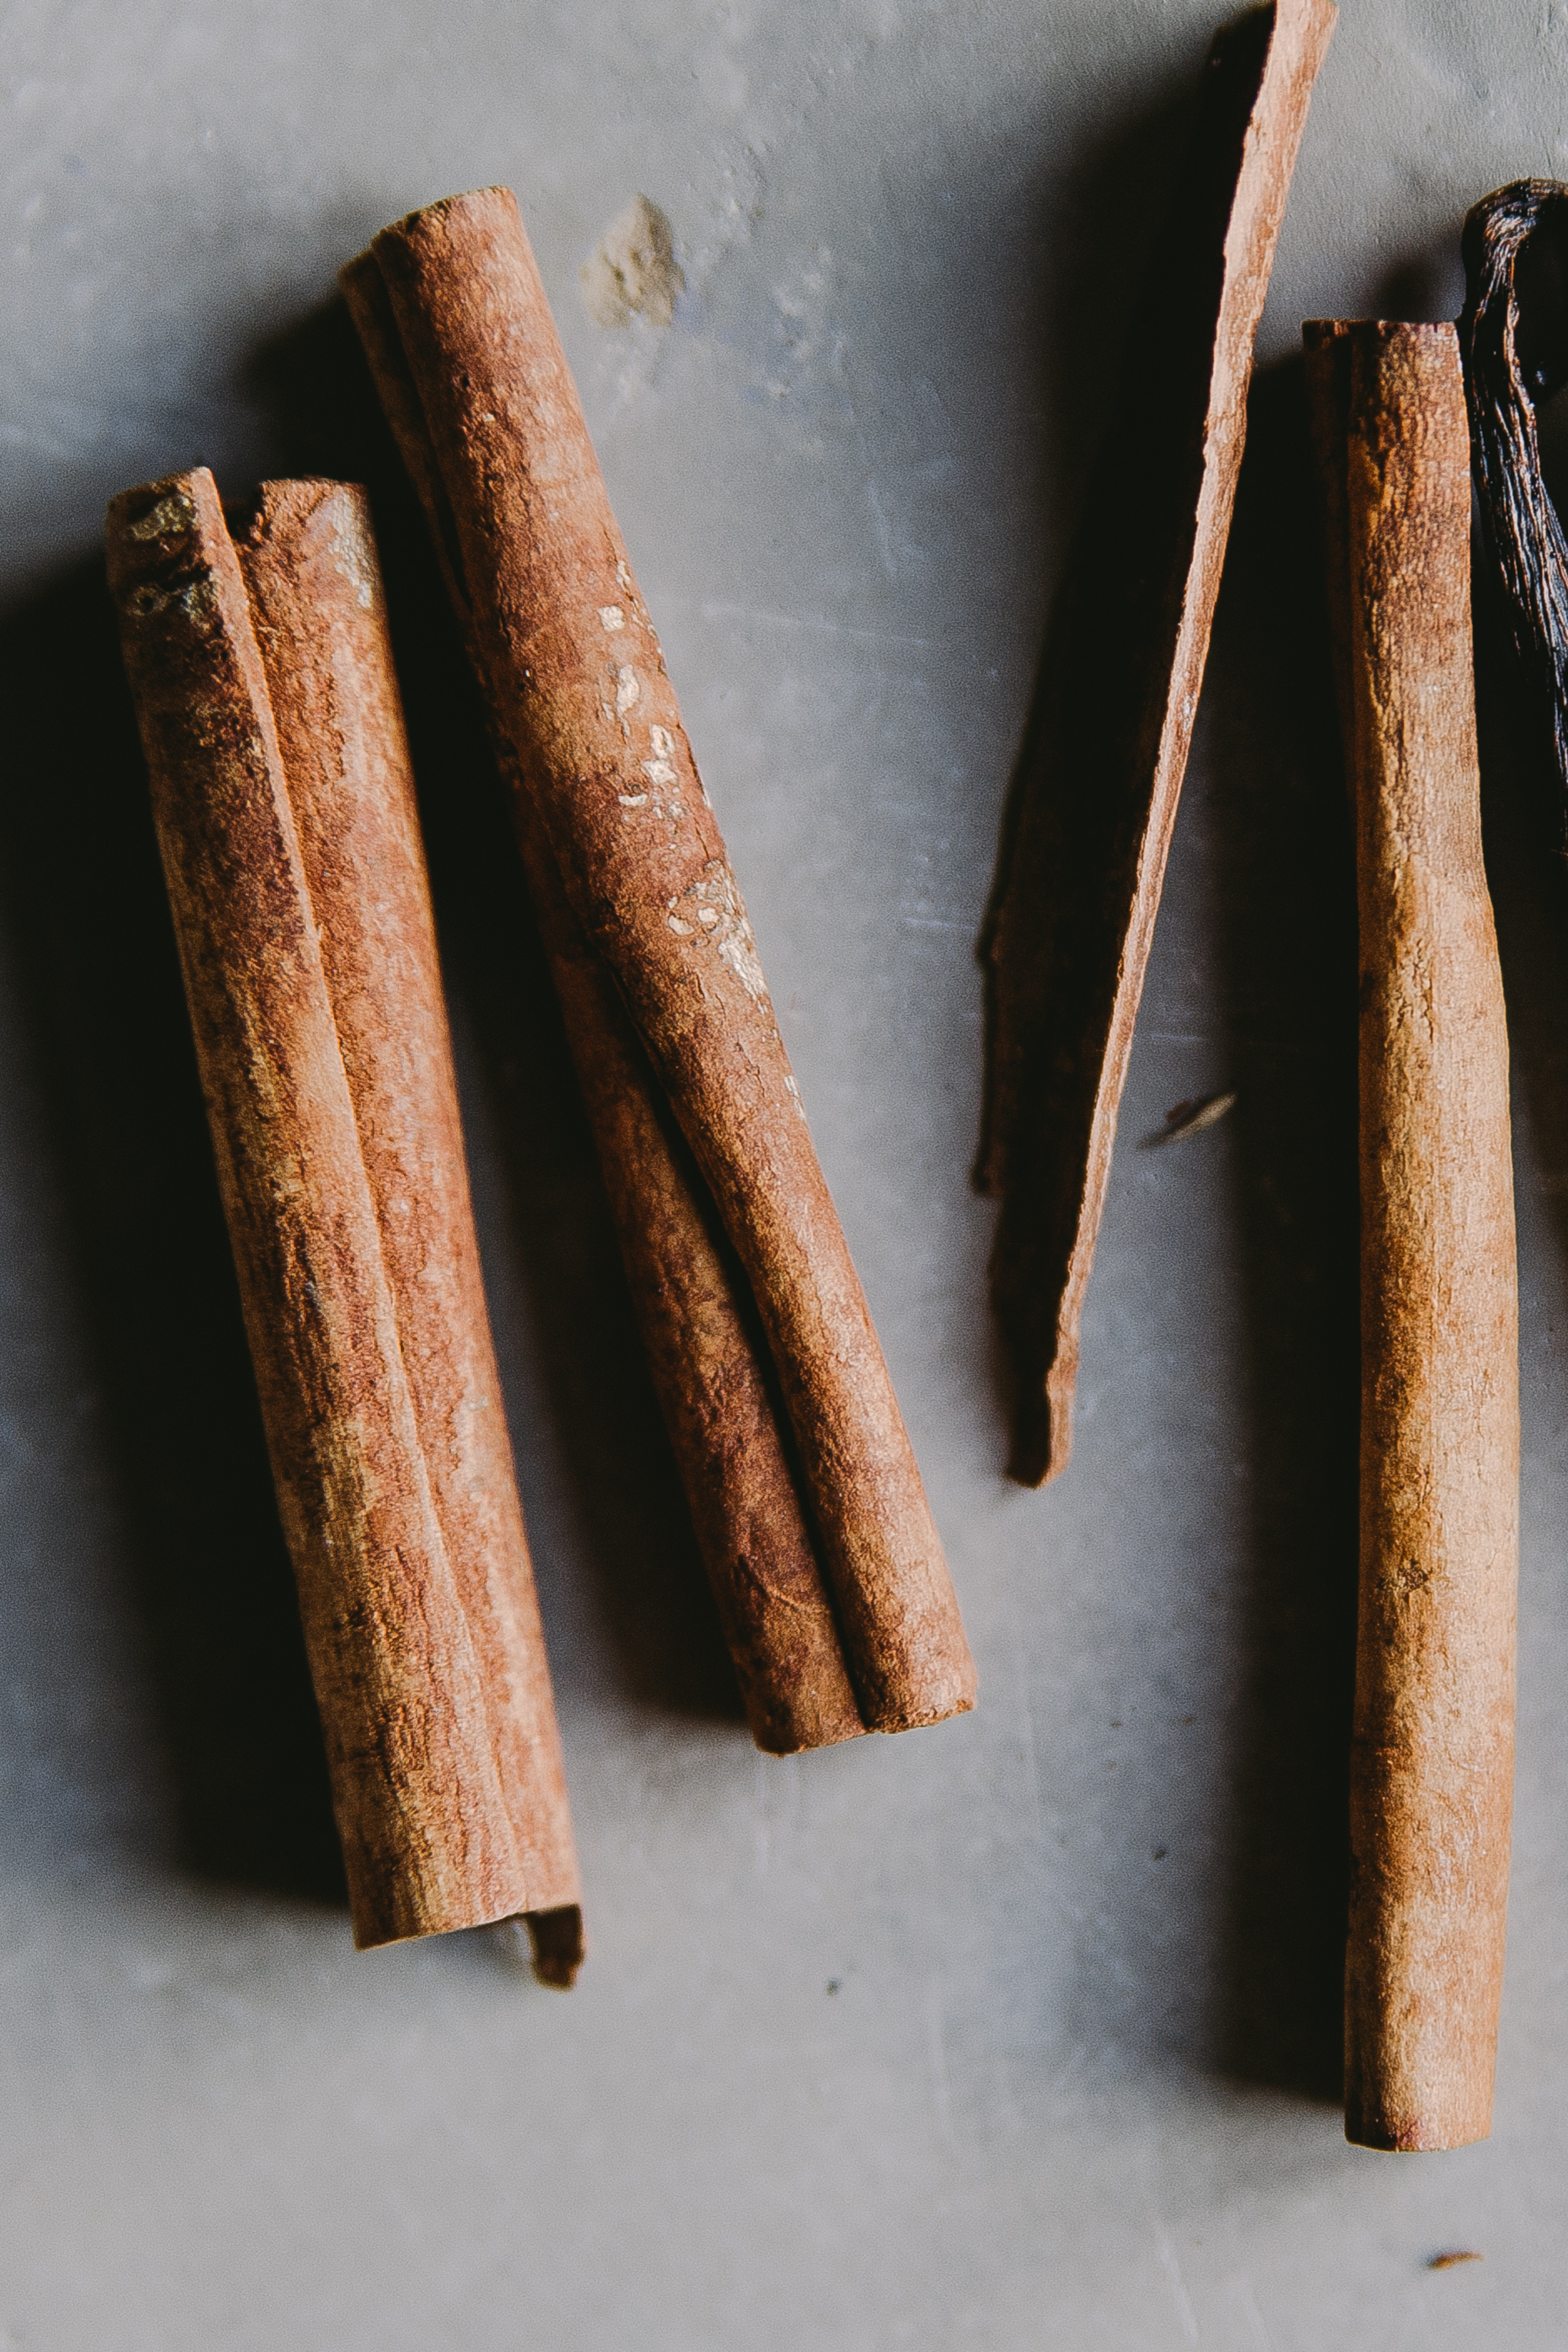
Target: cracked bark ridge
{"x":1432,"y":1754}
{"x":1093,"y":801}
{"x":1514,"y":333}
{"x":621,"y":838}
{"x":285,"y":815}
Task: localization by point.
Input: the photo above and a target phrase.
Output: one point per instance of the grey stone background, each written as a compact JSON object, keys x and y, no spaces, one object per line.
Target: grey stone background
{"x":1020,"y":2032}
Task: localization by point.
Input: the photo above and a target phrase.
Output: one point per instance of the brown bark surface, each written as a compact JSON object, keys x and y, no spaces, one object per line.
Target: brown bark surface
{"x":1085,"y":840}
{"x":478,"y":389}
{"x":707,"y":1356}
{"x":1432,"y":1759}
{"x":286,"y":821}
{"x":708,"y":1361}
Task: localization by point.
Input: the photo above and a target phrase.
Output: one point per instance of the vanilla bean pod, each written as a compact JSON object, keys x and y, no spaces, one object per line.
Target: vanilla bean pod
{"x":1515,"y":349}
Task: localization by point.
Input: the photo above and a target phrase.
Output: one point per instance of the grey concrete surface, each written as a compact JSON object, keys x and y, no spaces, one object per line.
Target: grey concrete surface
{"x":1017,"y":2033}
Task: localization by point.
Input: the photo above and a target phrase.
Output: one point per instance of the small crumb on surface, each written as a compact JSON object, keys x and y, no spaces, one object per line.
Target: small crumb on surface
{"x":1449,"y":2261}
{"x":833,"y":1983}
{"x":1191,"y":1118}
{"x":633,"y":268}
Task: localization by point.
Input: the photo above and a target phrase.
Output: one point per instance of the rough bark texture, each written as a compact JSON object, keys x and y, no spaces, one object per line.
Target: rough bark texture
{"x":460,"y":332}
{"x":706,"y":1352}
{"x":1088,"y":824}
{"x":709,"y":1360}
{"x":286,"y":821}
{"x":1432,"y":1759}
{"x":1514,"y":336}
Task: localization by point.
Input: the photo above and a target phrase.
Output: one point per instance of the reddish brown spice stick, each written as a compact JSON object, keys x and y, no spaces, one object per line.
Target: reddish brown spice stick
{"x":709,"y":1363}
{"x":1067,"y":939}
{"x":706,"y":1353}
{"x":285,"y":818}
{"x":1432,"y":1759}
{"x":580,"y":700}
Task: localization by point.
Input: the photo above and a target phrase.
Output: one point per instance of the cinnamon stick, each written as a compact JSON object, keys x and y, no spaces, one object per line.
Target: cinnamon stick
{"x":1066,"y":937}
{"x":706,"y":1353}
{"x":1432,"y":1754}
{"x":709,"y":1360}
{"x":285,"y":815}
{"x":619,"y":831}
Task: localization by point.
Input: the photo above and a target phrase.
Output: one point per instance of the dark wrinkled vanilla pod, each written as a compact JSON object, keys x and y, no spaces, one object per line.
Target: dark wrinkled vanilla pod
{"x":1511,"y":333}
{"x":1066,"y":937}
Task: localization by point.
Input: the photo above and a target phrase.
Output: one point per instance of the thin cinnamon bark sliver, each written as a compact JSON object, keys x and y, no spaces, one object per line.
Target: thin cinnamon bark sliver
{"x":270,"y":721}
{"x":1431,"y":1755}
{"x":1067,"y":934}
{"x":460,"y":336}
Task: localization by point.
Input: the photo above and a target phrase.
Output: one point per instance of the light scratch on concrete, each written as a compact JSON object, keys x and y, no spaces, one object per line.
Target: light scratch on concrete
{"x":1186,"y":2316}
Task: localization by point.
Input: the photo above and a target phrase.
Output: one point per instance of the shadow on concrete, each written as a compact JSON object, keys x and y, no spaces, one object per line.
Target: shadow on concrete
{"x":1125,"y":289}
{"x":1287,"y":896}
{"x":99,"y":983}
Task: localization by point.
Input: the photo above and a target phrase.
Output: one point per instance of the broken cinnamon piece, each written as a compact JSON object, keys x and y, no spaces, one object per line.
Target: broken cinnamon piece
{"x":460,"y":337}
{"x":1066,"y":938}
{"x":269,"y":717}
{"x":1432,"y":1753}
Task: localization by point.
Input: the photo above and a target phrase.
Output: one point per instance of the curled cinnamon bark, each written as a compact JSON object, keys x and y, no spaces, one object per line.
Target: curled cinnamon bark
{"x":1066,"y":937}
{"x":620,"y":836}
{"x":269,"y":717}
{"x":1432,"y":1754}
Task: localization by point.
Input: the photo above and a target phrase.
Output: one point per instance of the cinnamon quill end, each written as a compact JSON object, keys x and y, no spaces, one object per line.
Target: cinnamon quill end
{"x":557,"y":1944}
